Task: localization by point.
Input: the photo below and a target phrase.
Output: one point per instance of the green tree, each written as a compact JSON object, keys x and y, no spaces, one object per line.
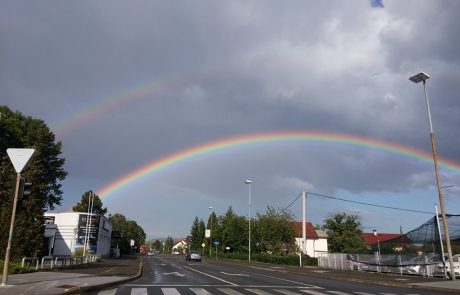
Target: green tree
{"x":85,"y":203}
{"x":234,"y":232}
{"x":344,"y":233}
{"x":197,"y":234}
{"x":130,"y":230}
{"x":274,"y":232}
{"x":169,"y":243}
{"x":45,"y":171}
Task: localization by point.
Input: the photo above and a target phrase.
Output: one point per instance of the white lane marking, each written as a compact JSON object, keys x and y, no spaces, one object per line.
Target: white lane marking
{"x":107,"y":292}
{"x":174,"y":273}
{"x":234,"y":274}
{"x":258,"y":292}
{"x":388,"y":293}
{"x":269,"y":269}
{"x":214,"y":277}
{"x":138,"y":291}
{"x":200,"y":291}
{"x":363,"y":293}
{"x":170,"y":291}
{"x":229,"y":291}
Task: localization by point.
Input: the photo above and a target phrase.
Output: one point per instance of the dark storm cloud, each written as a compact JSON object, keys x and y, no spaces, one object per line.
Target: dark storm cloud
{"x":235,"y":68}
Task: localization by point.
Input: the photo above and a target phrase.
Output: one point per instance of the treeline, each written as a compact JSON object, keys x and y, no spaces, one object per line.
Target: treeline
{"x":272,"y":233}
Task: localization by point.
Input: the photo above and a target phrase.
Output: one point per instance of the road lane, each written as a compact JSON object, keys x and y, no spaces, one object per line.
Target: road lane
{"x":173,"y":275}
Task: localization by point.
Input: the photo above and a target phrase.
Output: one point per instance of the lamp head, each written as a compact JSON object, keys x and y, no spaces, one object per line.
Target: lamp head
{"x":419,"y":77}
{"x":247,"y":181}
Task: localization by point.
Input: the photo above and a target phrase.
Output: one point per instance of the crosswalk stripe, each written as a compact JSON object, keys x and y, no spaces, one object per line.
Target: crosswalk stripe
{"x":286,"y":292}
{"x":339,"y":293}
{"x":229,"y":291}
{"x":363,"y":293}
{"x":138,"y":291}
{"x":107,"y":292}
{"x":200,"y":291}
{"x":258,"y":292}
{"x":312,"y":292}
{"x":169,"y":291}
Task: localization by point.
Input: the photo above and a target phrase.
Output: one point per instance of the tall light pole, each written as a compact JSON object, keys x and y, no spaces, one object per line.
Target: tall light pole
{"x":422,"y":77}
{"x":248,"y":182}
{"x":210,"y":234}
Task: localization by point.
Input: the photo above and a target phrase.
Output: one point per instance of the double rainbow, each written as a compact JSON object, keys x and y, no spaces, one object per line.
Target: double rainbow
{"x":272,"y":138}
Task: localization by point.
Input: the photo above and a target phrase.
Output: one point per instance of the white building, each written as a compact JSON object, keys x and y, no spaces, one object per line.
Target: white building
{"x":316,"y":240}
{"x":67,"y":232}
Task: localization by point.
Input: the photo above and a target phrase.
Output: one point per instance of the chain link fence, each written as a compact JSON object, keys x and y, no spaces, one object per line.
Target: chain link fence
{"x":408,"y":264}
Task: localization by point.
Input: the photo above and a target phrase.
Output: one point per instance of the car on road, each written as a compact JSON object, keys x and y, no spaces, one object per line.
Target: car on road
{"x":151,"y":253}
{"x":193,"y":256}
{"x":456,"y":262}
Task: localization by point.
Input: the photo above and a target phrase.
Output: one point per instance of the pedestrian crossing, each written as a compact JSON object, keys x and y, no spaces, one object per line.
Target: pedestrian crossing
{"x":240,"y":290}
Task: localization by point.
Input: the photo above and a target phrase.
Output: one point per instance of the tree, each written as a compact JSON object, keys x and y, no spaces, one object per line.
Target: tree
{"x":169,"y":243}
{"x":197,"y":232}
{"x":344,"y":233}
{"x":45,"y":171}
{"x":85,"y":203}
{"x":234,"y":231}
{"x":274,"y":232}
{"x":130,"y":230}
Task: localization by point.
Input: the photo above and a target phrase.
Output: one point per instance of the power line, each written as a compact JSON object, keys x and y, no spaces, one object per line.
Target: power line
{"x":356,"y":202}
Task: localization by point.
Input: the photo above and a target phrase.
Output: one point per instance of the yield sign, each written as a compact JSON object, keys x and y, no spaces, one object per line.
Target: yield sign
{"x":20,"y":158}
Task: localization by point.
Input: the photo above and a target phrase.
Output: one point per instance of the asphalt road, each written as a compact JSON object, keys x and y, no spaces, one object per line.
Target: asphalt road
{"x":172,"y":275}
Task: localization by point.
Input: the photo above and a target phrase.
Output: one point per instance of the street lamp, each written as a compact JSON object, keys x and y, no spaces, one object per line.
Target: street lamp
{"x":248,"y":182}
{"x":422,"y":77}
{"x":210,"y":234}
{"x":376,"y":234}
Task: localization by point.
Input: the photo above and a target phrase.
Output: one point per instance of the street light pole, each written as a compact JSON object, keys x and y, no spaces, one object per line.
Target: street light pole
{"x":248,"y":182}
{"x":422,"y":77}
{"x":210,"y":234}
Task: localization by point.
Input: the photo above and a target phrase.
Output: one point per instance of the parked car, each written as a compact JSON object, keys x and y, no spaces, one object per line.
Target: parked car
{"x":193,"y":256}
{"x":440,"y":267}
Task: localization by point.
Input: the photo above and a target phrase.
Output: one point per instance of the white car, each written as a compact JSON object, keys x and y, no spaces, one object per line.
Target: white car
{"x":440,"y":267}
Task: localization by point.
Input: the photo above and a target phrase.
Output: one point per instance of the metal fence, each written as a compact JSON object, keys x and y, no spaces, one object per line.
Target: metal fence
{"x":57,"y":262}
{"x":423,"y":265}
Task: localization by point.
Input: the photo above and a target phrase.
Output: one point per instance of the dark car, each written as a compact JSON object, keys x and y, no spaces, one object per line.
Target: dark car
{"x":193,"y":256}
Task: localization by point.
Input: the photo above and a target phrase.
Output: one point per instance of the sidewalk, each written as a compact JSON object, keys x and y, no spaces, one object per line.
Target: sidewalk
{"x":97,"y":275}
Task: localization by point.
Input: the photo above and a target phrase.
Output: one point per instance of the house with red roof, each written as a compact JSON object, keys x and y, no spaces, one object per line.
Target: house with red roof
{"x":398,"y":240}
{"x":315,"y":242}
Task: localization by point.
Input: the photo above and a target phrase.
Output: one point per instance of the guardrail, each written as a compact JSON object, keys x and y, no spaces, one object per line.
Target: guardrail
{"x":49,"y":262}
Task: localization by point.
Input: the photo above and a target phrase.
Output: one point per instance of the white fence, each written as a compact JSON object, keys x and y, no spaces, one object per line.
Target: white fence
{"x":49,"y":262}
{"x":424,"y":265}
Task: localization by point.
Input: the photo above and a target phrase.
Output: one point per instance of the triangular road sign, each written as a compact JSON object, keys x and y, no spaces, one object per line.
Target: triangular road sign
{"x":20,"y":158}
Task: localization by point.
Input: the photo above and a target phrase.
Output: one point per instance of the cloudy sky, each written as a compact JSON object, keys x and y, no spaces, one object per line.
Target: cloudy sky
{"x":124,"y":84}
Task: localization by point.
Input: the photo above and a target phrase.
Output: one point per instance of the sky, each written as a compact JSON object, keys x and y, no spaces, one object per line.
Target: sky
{"x":126,"y":85}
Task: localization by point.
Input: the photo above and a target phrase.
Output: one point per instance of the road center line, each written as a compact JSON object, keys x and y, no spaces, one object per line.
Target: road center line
{"x":214,"y":277}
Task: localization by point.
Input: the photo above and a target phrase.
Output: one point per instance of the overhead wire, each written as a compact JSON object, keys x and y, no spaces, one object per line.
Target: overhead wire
{"x":357,"y":202}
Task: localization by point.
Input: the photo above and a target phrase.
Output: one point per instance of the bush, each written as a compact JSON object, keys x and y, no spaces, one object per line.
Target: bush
{"x":285,"y":260}
{"x":15,"y":268}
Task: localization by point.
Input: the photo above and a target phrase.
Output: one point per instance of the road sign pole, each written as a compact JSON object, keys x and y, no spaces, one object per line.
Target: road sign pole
{"x":10,"y":237}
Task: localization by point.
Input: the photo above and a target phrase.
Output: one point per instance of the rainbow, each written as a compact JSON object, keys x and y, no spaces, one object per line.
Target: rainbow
{"x":271,"y":138}
{"x":135,"y":92}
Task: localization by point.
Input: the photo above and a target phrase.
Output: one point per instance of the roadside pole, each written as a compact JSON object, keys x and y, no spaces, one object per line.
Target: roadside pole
{"x":19,"y":158}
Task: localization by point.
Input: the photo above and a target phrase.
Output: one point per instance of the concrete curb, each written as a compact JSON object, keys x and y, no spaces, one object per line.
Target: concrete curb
{"x":86,"y":289}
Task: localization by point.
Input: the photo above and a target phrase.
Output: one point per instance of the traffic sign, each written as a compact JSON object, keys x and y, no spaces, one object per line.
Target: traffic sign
{"x":216,"y":243}
{"x":20,"y":158}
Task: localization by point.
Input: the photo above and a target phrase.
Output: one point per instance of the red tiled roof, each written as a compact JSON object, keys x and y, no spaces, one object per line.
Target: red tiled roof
{"x":311,"y":233}
{"x":371,"y":239}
